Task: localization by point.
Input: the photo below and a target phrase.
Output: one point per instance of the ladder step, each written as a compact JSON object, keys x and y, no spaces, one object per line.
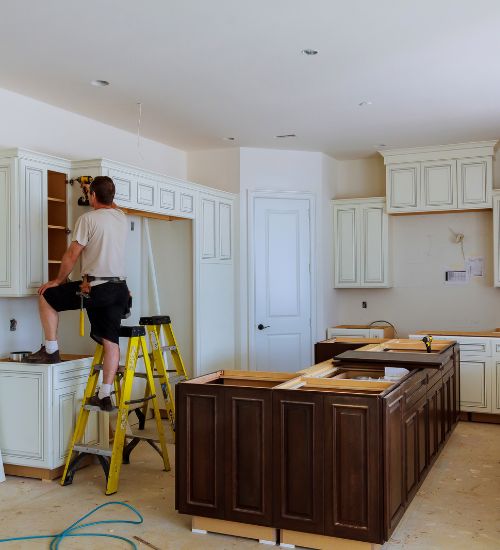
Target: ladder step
{"x":93,"y":450}
{"x":121,"y":368}
{"x":144,"y":375}
{"x":95,"y":408}
{"x":163,"y":348}
{"x":142,"y":400}
{"x":142,"y":438}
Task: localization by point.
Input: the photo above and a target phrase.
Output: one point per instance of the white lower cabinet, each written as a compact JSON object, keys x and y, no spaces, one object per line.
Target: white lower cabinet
{"x":38,"y":410}
{"x":475,"y":385}
{"x":495,"y":405}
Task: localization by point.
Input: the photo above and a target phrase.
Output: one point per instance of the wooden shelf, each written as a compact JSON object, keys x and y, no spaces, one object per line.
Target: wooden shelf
{"x":56,"y":227}
{"x":54,"y":261}
{"x":53,"y":199}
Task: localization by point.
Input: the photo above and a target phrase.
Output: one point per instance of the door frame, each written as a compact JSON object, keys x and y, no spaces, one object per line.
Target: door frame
{"x":271,"y":194}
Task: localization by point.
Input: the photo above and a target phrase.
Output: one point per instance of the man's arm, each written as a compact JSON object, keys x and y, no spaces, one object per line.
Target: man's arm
{"x":67,"y":263}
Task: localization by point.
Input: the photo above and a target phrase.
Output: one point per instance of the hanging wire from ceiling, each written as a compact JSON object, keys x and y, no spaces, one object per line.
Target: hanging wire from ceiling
{"x":139,"y":122}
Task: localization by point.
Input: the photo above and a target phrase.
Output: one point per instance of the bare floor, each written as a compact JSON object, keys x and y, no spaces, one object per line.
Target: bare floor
{"x":457,"y":507}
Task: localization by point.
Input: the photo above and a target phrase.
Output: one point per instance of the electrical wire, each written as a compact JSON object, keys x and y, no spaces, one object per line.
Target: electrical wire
{"x":387,"y":323}
{"x":69,"y":531}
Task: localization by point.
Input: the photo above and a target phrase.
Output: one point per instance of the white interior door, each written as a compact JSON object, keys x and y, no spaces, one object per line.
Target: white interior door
{"x":282,"y":255}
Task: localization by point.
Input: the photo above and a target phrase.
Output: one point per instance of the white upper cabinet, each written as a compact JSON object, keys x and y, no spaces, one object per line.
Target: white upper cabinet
{"x":24,"y":234}
{"x":361,"y":237}
{"x":216,"y":226}
{"x":496,"y":237}
{"x":449,"y":177}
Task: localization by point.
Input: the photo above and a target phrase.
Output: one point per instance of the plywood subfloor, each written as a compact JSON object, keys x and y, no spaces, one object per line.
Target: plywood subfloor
{"x":457,"y":508}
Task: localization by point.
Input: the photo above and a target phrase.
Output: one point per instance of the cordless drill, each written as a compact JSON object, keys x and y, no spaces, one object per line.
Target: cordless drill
{"x":427,"y":340}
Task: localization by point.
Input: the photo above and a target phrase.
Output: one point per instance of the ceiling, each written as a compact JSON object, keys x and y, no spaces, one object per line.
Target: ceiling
{"x":208,"y":69}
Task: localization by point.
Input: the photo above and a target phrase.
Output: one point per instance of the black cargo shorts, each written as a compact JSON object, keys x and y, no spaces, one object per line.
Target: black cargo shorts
{"x":106,"y":306}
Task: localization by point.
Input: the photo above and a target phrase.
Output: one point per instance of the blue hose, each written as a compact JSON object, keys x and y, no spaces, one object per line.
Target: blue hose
{"x":69,"y":531}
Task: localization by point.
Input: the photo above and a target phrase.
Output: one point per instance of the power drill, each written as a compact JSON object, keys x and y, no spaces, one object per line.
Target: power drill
{"x":427,"y":340}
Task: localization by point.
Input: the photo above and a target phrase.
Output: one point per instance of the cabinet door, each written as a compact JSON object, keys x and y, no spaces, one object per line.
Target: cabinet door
{"x":423,"y":437}
{"x":298,"y":461}
{"x":374,"y":246}
{"x":147,"y":194}
{"x":403,"y":187}
{"x":496,"y":239}
{"x":345,"y":233}
{"x":225,"y":230}
{"x":33,"y":177}
{"x":475,"y":385}
{"x":208,"y":228}
{"x":474,"y":177}
{"x":394,"y":461}
{"x":9,"y":237}
{"x":496,"y":388}
{"x":353,"y":493}
{"x":199,"y":450}
{"x":411,"y":453}
{"x":248,"y":455}
{"x":24,"y":395}
{"x":439,"y":185}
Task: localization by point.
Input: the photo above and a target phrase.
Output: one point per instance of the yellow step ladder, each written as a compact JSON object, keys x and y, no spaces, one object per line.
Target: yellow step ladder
{"x":111,"y":459}
{"x":154,"y":325}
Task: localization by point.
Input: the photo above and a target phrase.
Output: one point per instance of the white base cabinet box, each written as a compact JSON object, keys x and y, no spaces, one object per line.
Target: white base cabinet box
{"x":361,"y":243}
{"x":448,"y":177}
{"x":38,"y":410}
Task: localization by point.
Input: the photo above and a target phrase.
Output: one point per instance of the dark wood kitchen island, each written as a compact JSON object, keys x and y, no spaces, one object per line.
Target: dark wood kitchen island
{"x":333,"y":454}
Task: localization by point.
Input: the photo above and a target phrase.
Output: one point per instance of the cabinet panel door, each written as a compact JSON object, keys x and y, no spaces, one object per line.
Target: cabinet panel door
{"x":394,"y":465}
{"x":373,"y":246}
{"x":23,"y":440}
{"x":248,"y":455}
{"x":225,"y":230}
{"x":125,"y":188}
{"x":474,"y":182}
{"x":34,"y":226}
{"x":352,"y":467}
{"x":423,"y":437}
{"x":199,"y":450}
{"x":186,"y":203}
{"x":147,"y":194}
{"x":7,"y":212}
{"x":439,"y":185}
{"x":411,"y":444}
{"x":208,"y":229}
{"x":298,"y":461}
{"x":403,"y":186}
{"x":475,"y":385}
{"x":496,"y":388}
{"x":345,"y":228}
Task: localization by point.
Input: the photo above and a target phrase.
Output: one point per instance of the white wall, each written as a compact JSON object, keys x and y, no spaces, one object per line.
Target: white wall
{"x":41,"y":127}
{"x":217,"y":168}
{"x":421,"y":247}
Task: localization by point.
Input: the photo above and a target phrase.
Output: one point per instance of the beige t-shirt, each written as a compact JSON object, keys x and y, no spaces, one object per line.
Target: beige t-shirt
{"x":103,"y":233}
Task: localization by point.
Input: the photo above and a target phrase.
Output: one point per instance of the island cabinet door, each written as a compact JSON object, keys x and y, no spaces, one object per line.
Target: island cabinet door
{"x":423,"y":437}
{"x":434,"y":399}
{"x":248,"y":455}
{"x":298,"y":461}
{"x":199,"y":458}
{"x":353,"y":472}
{"x":394,"y":461}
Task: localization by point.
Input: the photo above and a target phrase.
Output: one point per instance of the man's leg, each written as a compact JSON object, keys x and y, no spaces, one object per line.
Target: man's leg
{"x":109,"y":367}
{"x":49,"y":319}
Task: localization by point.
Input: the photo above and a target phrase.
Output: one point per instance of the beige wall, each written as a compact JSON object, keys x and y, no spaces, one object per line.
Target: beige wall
{"x":218,"y":168}
{"x":421,"y":247}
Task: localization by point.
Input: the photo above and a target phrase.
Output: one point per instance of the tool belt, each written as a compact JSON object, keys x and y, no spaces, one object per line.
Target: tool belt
{"x":90,"y":278}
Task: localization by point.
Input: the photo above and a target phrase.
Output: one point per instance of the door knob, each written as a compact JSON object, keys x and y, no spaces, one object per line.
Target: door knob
{"x":262,"y":327}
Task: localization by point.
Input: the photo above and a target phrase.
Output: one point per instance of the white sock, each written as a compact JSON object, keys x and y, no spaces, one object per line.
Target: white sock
{"x":105,"y":390}
{"x":51,"y":346}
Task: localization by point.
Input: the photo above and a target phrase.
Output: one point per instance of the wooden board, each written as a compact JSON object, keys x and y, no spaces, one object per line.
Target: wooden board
{"x":354,"y":340}
{"x":478,"y":334}
{"x":289,"y":539}
{"x":388,"y":330}
{"x":346,"y":384}
{"x":203,"y":525}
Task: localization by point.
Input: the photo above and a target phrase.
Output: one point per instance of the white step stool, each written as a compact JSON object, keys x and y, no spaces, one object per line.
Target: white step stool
{"x":2,"y":473}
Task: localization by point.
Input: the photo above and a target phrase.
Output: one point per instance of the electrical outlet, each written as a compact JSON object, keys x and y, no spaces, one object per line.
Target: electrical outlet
{"x":13,"y":325}
{"x":364,"y":305}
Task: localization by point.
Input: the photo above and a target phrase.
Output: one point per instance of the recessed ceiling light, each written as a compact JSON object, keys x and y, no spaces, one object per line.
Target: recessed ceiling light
{"x":364,"y":103}
{"x":282,"y":136}
{"x":100,"y":83}
{"x":228,"y":138}
{"x":309,"y":51}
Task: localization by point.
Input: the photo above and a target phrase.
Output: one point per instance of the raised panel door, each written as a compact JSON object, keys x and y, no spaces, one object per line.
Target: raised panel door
{"x":496,"y":388}
{"x":474,"y":177}
{"x":208,"y":229}
{"x":34,"y":226}
{"x":439,"y":185}
{"x":403,"y":187}
{"x":394,"y":461}
{"x":125,"y":188}
{"x":373,"y":249}
{"x":225,"y":231}
{"x":475,"y":385}
{"x":298,"y":461}
{"x":147,"y":194}
{"x":248,"y":455}
{"x":496,"y":239}
{"x":353,"y":493}
{"x":8,"y":232}
{"x":423,"y":437}
{"x":199,"y":453}
{"x":411,"y":443}
{"x":345,"y":234}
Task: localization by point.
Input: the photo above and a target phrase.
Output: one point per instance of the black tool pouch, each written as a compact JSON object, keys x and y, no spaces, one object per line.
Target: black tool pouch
{"x":128,"y":310}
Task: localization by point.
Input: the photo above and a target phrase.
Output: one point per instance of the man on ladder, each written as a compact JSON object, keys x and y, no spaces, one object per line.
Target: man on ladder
{"x":99,"y":240}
